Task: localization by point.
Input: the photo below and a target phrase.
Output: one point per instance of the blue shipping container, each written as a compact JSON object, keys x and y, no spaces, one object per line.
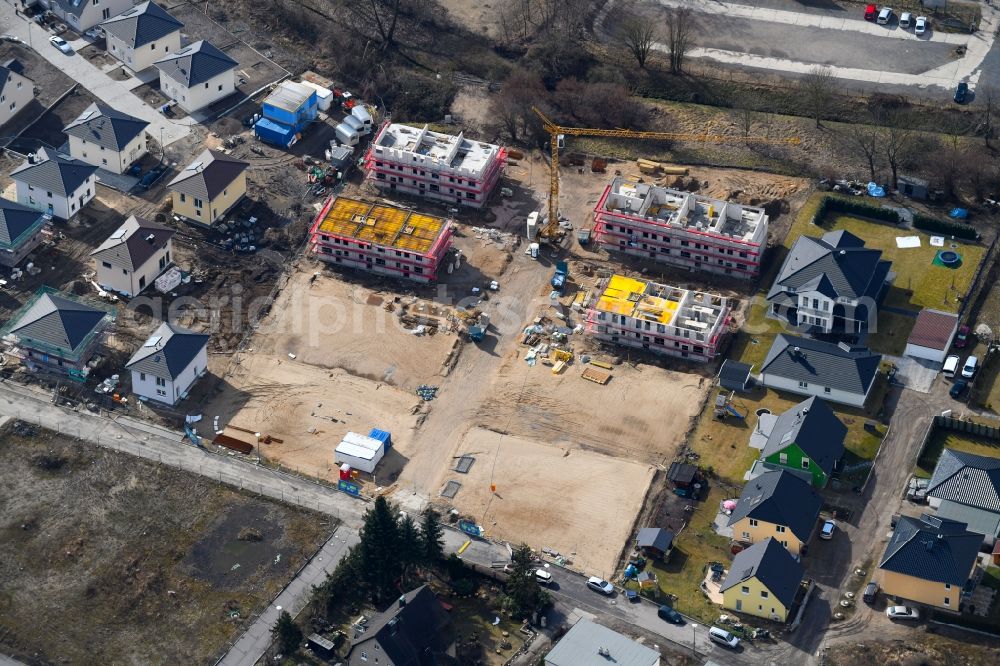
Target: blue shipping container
{"x":382,"y":436}
{"x":274,"y":133}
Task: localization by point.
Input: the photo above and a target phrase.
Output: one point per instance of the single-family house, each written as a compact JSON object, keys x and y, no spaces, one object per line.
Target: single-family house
{"x":763,"y":581}
{"x":133,"y":256}
{"x":168,"y":364}
{"x":655,"y":542}
{"x":965,"y":487}
{"x":414,"y":630}
{"x":832,"y":283}
{"x":140,"y":36}
{"x":209,"y":187}
{"x":931,"y":561}
{"x":106,"y":138}
{"x":776,"y":505}
{"x":197,"y":75}
{"x":807,"y":439}
{"x":590,"y":644}
{"x":82,"y":15}
{"x":20,"y":231}
{"x":56,"y":332}
{"x":57,"y":185}
{"x":932,"y":335}
{"x":837,"y":373}
{"x":735,"y":376}
{"x":16,"y":93}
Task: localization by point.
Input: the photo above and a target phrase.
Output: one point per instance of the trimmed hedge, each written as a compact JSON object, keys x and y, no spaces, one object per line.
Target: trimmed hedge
{"x":945,"y":227}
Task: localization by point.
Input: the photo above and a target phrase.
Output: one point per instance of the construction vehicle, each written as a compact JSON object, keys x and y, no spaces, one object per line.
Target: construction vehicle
{"x":557,"y":138}
{"x":477,"y":331}
{"x":559,"y":277}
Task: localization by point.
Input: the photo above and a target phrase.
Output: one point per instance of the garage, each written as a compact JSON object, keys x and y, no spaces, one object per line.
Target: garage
{"x":932,"y":335}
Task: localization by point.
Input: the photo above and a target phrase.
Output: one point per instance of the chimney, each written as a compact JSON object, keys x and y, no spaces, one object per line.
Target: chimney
{"x":31,"y":158}
{"x":150,"y":238}
{"x":402,"y":600}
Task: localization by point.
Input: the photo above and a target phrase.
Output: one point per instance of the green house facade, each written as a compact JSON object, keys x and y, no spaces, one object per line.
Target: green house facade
{"x":806,"y":439}
{"x":793,"y":458}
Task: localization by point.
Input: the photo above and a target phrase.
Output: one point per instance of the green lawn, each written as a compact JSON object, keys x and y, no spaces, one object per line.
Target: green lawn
{"x":891,"y":334}
{"x":946,"y":439}
{"x":918,"y":282}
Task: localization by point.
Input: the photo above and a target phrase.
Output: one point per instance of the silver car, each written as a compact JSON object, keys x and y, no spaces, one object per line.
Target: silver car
{"x":600,"y":585}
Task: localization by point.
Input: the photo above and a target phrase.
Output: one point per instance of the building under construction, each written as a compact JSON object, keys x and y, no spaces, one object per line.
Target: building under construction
{"x":380,"y":239}
{"x":417,"y":161}
{"x":681,"y":228}
{"x":662,"y":319}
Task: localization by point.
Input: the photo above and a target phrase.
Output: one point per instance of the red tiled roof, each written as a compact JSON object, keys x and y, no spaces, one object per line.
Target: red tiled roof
{"x":934,"y":329}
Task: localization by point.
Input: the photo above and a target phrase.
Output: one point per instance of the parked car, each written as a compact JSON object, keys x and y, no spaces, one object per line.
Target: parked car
{"x":826,"y":532}
{"x":951,"y":366}
{"x":962,"y":338}
{"x":969,"y":369}
{"x":543,"y":577}
{"x":95,"y":33}
{"x":871,"y":593}
{"x":961,"y":93}
{"x":600,"y":585}
{"x":905,"y":19}
{"x":920,"y":27}
{"x":670,"y":615}
{"x":61,"y":44}
{"x":884,"y":16}
{"x":871,"y":11}
{"x":902,"y":613}
{"x":723,"y":637}
{"x":958,"y":388}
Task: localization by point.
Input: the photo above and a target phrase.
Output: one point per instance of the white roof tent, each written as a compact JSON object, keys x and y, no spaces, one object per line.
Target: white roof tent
{"x":360,"y":452}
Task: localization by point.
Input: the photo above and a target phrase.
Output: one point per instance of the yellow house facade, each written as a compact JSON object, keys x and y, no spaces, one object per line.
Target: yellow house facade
{"x":776,"y":505}
{"x":753,"y":530}
{"x":208,"y":188}
{"x":763,"y":581}
{"x":753,"y":598}
{"x":931,"y":593}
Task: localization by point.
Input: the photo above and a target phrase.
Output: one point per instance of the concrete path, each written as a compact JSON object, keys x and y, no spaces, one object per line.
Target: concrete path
{"x":9,"y":661}
{"x":116,"y":94}
{"x":256,"y":640}
{"x":969,"y":68}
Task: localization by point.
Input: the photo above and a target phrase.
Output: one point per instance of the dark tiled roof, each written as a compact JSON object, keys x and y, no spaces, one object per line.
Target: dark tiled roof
{"x":142,"y":24}
{"x":106,"y":127}
{"x":779,"y":498}
{"x":405,"y":632}
{"x":134,"y":242}
{"x":195,"y":63}
{"x":836,"y":265}
{"x":771,"y":564}
{"x":59,"y":174}
{"x":168,"y":351}
{"x":682,"y":472}
{"x":655,"y":537}
{"x":16,"y":221}
{"x":57,"y":321}
{"x":851,"y":370}
{"x":967,"y":479}
{"x":816,"y":430}
{"x":932,"y":549}
{"x":208,"y":175}
{"x":933,"y":329}
{"x":734,"y":374}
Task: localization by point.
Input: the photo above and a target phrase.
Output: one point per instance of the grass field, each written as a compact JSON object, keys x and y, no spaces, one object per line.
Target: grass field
{"x":946,"y":439}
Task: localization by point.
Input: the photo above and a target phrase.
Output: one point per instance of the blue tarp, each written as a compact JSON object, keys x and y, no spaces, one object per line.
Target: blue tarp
{"x":875,"y":191}
{"x":958,"y":213}
{"x":382,"y":436}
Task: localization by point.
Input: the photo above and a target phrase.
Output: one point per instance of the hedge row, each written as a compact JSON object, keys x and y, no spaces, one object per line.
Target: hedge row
{"x":945,"y":227}
{"x":862,"y":208}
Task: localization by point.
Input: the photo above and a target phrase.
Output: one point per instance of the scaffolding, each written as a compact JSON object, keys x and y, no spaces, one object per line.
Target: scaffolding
{"x":8,"y":332}
{"x":383,"y":225}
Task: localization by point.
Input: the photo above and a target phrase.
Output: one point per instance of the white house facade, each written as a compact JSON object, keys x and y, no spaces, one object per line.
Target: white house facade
{"x":142,"y":35}
{"x":197,"y":76}
{"x":56,"y":185}
{"x":16,"y":92}
{"x":106,"y":138}
{"x":82,"y":15}
{"x":134,"y":256}
{"x":168,"y":364}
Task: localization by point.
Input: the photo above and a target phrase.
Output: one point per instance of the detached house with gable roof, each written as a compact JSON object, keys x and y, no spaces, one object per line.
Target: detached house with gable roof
{"x":776,"y":505}
{"x":807,"y":440}
{"x":835,"y":372}
{"x":197,"y":76}
{"x":763,"y":581}
{"x":931,"y":561}
{"x":140,"y":36}
{"x":966,"y":487}
{"x":209,"y":187}
{"x":56,"y":332}
{"x":20,"y":231}
{"x":107,"y":138}
{"x":82,"y":15}
{"x":16,"y":93}
{"x":168,"y":364}
{"x":832,"y":283}
{"x":133,"y":256}
{"x":414,"y":631}
{"x":57,"y":185}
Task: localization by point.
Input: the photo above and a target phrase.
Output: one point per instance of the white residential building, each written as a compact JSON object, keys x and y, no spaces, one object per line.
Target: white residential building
{"x":106,"y":138}
{"x":16,"y":93}
{"x":55,"y":184}
{"x":140,"y":36}
{"x":82,"y":15}
{"x":197,"y":76}
{"x":167,"y":365}
{"x":134,"y":256}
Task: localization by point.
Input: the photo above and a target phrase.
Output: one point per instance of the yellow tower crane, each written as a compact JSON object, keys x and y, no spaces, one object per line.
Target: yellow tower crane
{"x":557,"y":132}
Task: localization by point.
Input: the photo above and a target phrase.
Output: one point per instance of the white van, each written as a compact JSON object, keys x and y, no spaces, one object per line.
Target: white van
{"x":543,"y":577}
{"x":969,"y":369}
{"x":723,"y":637}
{"x":950,"y":366}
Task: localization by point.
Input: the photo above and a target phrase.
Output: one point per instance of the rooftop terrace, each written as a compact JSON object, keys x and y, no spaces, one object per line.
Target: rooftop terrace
{"x":382,"y":225}
{"x":445,"y":150}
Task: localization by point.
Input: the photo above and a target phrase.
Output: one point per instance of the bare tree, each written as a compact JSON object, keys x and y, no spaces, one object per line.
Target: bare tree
{"x":380,"y":15}
{"x":639,"y":37}
{"x":746,"y":105}
{"x":990,"y":101}
{"x":818,"y":87}
{"x":680,"y":26}
{"x":897,"y":140}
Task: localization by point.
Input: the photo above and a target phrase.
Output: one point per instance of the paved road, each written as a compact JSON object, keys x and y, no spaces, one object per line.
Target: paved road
{"x":113,"y":93}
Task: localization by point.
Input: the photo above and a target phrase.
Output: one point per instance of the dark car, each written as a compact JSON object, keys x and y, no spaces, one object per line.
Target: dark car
{"x":961,"y":93}
{"x":871,"y":593}
{"x":962,"y":338}
{"x":958,"y":388}
{"x":670,"y":615}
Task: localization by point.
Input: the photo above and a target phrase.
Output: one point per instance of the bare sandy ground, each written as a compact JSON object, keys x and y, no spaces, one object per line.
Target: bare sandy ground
{"x":577,"y":502}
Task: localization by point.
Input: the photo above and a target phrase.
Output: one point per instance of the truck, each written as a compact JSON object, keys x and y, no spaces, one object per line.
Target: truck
{"x":559,"y":277}
{"x":477,"y":331}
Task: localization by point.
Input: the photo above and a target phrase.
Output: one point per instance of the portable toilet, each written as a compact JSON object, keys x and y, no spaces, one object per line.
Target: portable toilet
{"x":532,"y":225}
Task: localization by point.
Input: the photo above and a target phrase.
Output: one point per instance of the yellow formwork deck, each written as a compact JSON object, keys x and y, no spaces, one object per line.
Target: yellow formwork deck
{"x":625,"y":296}
{"x":382,"y":225}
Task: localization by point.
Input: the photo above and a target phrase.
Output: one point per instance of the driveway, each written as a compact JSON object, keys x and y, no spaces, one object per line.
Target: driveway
{"x":115,"y":94}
